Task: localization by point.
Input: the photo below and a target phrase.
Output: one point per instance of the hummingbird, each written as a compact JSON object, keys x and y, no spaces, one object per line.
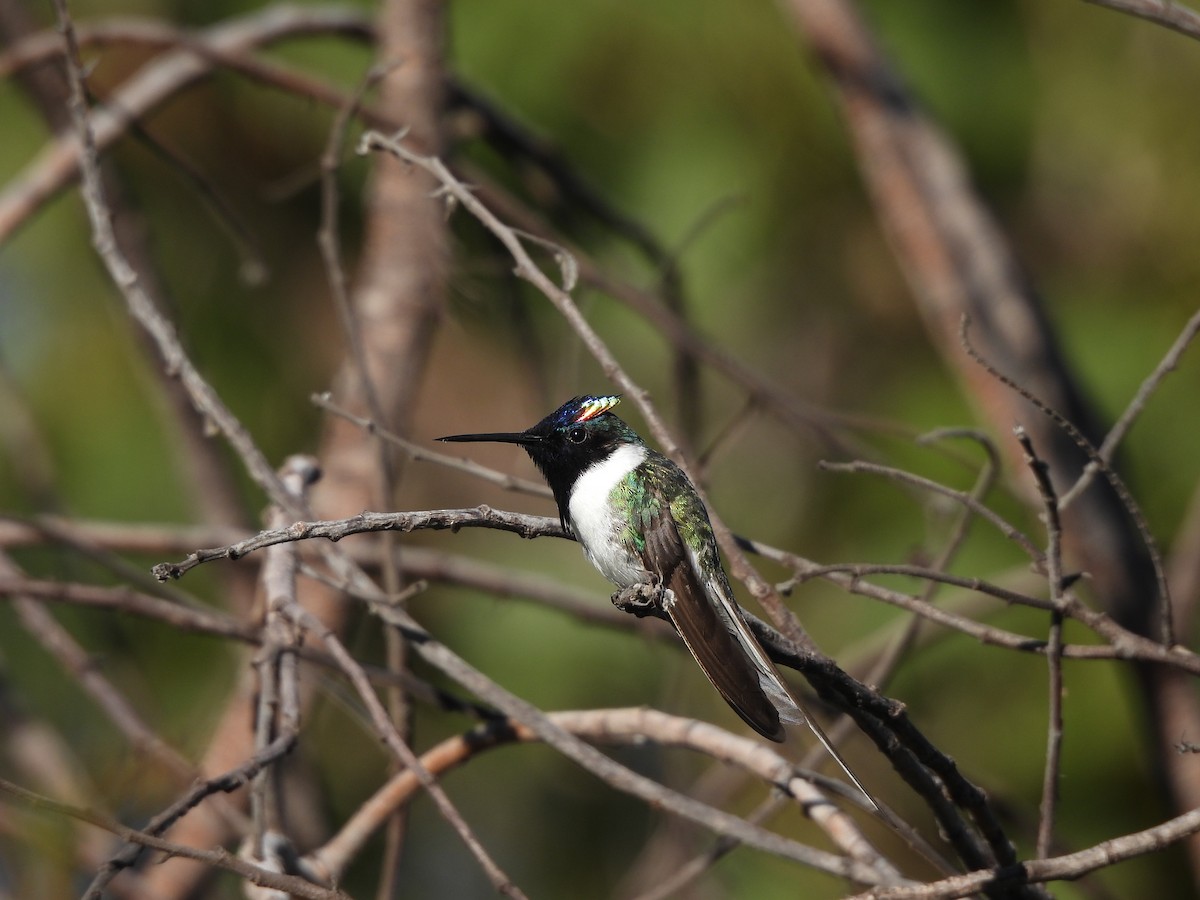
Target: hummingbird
{"x":642,"y":524}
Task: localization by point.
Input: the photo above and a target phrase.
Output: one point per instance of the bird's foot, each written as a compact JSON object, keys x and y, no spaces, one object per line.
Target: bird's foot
{"x":642,"y":599}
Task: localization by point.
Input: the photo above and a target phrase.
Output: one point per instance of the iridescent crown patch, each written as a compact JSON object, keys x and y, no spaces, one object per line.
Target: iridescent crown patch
{"x":590,"y":407}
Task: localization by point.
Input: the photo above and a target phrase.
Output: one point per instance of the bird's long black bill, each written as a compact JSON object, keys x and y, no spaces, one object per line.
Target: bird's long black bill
{"x":501,"y":437}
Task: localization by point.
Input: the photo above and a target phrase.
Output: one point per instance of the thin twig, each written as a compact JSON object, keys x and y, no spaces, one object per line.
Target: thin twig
{"x":1121,"y":427}
{"x":933,"y":575}
{"x":926,"y":484}
{"x":1130,"y":505}
{"x":1054,"y":728}
{"x":123,"y":600}
{"x":218,"y":858}
{"x":230,"y":781}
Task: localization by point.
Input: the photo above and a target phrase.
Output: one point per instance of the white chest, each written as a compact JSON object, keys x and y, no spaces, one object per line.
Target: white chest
{"x":592,"y":519}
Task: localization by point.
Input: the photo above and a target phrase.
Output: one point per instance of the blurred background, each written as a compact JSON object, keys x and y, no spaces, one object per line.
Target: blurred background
{"x":705,"y":122}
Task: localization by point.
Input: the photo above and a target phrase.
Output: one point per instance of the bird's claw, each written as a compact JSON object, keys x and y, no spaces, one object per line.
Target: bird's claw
{"x":642,"y":599}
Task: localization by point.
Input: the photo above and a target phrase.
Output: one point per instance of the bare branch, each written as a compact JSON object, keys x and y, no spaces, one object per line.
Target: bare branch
{"x":610,"y":726}
{"x":1174,"y":16}
{"x":1064,"y":868}
{"x":612,"y":773}
{"x":437,"y":520}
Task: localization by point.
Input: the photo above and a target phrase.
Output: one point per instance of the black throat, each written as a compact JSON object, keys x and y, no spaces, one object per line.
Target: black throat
{"x":562,"y":465}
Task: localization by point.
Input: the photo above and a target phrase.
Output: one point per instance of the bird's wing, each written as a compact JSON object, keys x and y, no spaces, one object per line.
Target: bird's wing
{"x":705,"y":627}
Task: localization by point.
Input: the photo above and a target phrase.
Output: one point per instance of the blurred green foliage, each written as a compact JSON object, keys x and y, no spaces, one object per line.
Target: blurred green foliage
{"x":705,"y":121}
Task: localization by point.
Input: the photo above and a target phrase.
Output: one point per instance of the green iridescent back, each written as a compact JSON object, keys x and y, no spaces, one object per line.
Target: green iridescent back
{"x":642,"y":496}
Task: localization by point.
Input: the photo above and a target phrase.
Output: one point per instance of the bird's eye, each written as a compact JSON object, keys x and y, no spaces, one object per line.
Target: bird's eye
{"x":576,"y":435}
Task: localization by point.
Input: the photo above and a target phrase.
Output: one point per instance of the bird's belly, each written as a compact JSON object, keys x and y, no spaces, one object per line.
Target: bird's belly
{"x":600,"y":535}
{"x":614,"y":561}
